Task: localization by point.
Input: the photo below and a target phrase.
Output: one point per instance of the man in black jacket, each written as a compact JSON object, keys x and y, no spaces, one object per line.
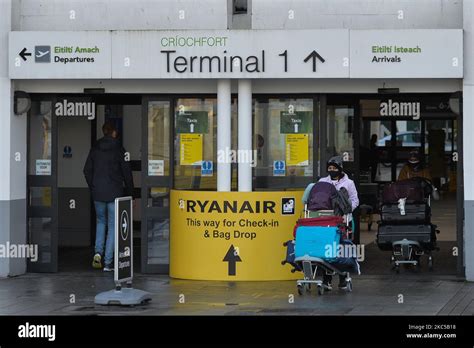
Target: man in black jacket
{"x":109,"y":176}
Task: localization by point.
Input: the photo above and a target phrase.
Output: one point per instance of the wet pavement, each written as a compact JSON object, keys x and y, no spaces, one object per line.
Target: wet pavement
{"x":73,"y":294}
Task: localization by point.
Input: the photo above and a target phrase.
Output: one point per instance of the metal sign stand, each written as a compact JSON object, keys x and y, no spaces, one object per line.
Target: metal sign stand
{"x":123,"y":270}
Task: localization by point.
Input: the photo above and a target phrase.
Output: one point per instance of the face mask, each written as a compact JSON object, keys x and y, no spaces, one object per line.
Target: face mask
{"x":334,"y":174}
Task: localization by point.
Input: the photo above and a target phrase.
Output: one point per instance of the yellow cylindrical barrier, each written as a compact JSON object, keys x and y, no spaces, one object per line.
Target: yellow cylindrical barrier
{"x":232,"y":235}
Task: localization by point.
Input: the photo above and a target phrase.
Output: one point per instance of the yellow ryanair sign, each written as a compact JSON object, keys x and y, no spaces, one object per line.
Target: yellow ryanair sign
{"x":232,"y":235}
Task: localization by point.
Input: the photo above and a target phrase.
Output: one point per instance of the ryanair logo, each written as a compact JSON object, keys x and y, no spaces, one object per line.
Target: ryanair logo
{"x":198,"y":206}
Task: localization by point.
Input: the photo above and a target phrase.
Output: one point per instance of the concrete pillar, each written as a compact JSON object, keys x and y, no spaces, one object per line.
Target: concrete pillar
{"x":12,"y":158}
{"x":245,"y":135}
{"x":224,"y":174}
{"x":468,"y":139}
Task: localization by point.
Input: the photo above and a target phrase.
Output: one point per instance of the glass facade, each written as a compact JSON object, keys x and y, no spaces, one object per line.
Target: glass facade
{"x":293,"y":137}
{"x":195,"y":141}
{"x":40,"y":138}
{"x":283,"y":142}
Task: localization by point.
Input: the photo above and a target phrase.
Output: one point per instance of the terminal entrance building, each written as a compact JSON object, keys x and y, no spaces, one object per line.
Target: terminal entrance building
{"x":227,"y":111}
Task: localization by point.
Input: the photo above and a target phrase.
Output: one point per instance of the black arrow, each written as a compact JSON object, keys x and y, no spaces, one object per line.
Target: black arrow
{"x":23,"y":53}
{"x":315,"y":55}
{"x":232,"y":257}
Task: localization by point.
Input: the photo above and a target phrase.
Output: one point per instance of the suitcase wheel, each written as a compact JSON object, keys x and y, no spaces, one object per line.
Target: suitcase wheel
{"x":283,"y":262}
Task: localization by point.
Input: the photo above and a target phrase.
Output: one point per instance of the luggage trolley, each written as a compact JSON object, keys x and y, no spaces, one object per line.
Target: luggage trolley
{"x":406,"y":230}
{"x":317,"y":229}
{"x":311,"y":265}
{"x":408,"y":251}
{"x":310,"y":268}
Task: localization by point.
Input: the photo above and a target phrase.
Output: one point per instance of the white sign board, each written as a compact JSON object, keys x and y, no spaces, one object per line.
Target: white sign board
{"x":156,"y":167}
{"x":59,"y":55}
{"x":230,"y":54}
{"x":43,"y":167}
{"x":406,"y":53}
{"x":154,"y":54}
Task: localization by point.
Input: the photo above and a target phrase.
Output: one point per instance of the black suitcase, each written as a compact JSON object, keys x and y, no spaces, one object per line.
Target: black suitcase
{"x":415,"y":213}
{"x":424,"y":234}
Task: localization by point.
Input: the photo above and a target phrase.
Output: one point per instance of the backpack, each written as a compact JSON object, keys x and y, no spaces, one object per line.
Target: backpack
{"x":414,"y":190}
{"x":321,"y":196}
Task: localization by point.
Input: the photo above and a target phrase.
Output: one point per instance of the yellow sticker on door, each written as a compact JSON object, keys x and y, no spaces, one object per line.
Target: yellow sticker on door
{"x":190,"y":149}
{"x":297,"y":153}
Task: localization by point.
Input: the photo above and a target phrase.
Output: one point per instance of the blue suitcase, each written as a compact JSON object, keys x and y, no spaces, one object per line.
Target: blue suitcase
{"x":317,"y":241}
{"x":290,"y":252}
{"x":290,"y":255}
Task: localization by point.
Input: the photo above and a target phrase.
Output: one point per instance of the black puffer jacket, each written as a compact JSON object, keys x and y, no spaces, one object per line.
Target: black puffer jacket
{"x":342,"y":203}
{"x":107,"y":173}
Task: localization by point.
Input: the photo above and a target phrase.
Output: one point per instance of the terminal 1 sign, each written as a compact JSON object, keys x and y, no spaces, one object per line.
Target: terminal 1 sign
{"x":332,"y":53}
{"x":230,"y":53}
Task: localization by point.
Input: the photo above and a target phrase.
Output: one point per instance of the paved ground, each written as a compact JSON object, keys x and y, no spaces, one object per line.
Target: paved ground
{"x":378,"y":291}
{"x":404,"y":294}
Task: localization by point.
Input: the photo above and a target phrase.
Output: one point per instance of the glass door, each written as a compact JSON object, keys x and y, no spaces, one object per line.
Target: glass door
{"x":339,"y":130}
{"x":340,"y":135}
{"x":195,"y":127}
{"x":285,"y":142}
{"x":440,"y":150}
{"x":42,"y":189}
{"x":157,"y":169}
{"x":376,"y":151}
{"x":385,"y":147}
{"x":167,"y":163}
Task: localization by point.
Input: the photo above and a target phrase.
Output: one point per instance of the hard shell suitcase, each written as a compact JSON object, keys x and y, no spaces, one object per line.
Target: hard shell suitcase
{"x":317,"y":241}
{"x":415,"y":213}
{"x":324,"y":221}
{"x":423,"y":234}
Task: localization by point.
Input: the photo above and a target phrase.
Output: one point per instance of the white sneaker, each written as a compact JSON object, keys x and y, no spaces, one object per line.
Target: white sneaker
{"x":108,"y":269}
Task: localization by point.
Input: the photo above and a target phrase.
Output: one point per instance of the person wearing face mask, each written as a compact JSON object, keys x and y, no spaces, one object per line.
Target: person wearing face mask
{"x":339,"y":179}
{"x":414,"y":168}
